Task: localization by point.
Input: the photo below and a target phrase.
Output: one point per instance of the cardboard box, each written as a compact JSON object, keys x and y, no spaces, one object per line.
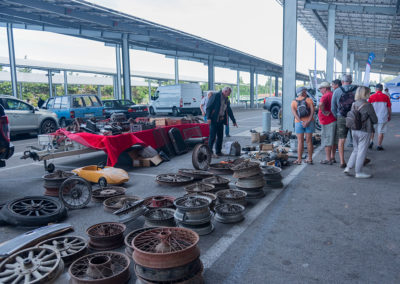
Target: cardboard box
{"x":159,"y":121}
{"x":266,"y":147}
{"x":138,"y":161}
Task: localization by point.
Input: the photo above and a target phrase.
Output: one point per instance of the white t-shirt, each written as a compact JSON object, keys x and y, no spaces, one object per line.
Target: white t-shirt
{"x":204,"y":102}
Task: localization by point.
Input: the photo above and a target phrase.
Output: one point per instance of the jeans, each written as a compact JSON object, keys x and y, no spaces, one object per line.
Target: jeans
{"x":205,"y":118}
{"x":360,"y":146}
{"x":227,"y":129}
{"x":216,"y":131}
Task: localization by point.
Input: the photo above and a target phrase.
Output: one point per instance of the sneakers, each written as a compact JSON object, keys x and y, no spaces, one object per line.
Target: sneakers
{"x":342,"y":166}
{"x":346,"y":171}
{"x":379,"y":148}
{"x":228,"y":135}
{"x":370,"y":145}
{"x":363,"y":175}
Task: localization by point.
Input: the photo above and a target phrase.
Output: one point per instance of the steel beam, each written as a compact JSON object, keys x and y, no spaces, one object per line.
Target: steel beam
{"x":251,"y":88}
{"x":344,"y":54}
{"x":352,"y":8}
{"x":211,"y":76}
{"x":118,"y":84}
{"x":238,"y":87}
{"x":65,"y":83}
{"x":289,"y":61}
{"x":330,"y":54}
{"x":11,"y":54}
{"x":176,"y":71}
{"x":276,"y":86}
{"x":352,"y":64}
{"x":368,"y":39}
{"x":126,"y":68}
{"x":50,"y":78}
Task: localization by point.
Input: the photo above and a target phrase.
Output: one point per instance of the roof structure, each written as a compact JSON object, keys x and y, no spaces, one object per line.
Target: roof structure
{"x":86,"y":20}
{"x":371,"y":26}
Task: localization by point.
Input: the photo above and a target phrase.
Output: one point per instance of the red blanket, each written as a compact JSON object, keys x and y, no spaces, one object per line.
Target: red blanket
{"x":114,"y":145}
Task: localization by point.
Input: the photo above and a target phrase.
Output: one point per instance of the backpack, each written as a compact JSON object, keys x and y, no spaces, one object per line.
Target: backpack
{"x":353,"y":118}
{"x":302,"y":108}
{"x":346,"y":100}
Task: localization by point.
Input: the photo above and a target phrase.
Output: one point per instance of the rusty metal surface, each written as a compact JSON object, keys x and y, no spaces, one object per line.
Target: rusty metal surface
{"x":232,"y":196}
{"x":196,"y":174}
{"x":201,"y":157}
{"x":160,"y":217}
{"x":69,"y":247}
{"x":173,"y":179}
{"x":159,"y":201}
{"x":101,"y":194}
{"x":53,"y":181}
{"x":100,"y":268}
{"x":256,"y":181}
{"x":106,"y":236}
{"x":129,"y":238}
{"x":221,"y":168}
{"x":75,"y":192}
{"x":217,"y":181}
{"x":190,"y":279}
{"x":246,"y":169}
{"x":191,"y":203}
{"x":115,"y":203}
{"x":211,"y":196}
{"x":32,"y":265}
{"x":199,"y":187}
{"x":165,"y":248}
{"x":229,"y":213}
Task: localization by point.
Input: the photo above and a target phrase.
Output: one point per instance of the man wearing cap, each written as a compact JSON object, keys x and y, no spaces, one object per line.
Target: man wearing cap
{"x":383,"y":110}
{"x":328,"y":123}
{"x":303,"y":111}
{"x":337,"y":109}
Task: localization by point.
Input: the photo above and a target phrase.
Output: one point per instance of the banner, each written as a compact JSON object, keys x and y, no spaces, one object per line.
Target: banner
{"x":368,"y":69}
{"x":394,"y":91}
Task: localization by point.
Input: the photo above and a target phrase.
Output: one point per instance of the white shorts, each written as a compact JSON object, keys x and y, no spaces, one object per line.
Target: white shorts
{"x":380,"y":128}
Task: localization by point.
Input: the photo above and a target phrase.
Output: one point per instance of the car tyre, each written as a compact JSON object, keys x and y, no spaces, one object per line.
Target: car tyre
{"x":175,"y":111}
{"x":50,"y":168}
{"x":63,"y":123}
{"x":152,"y":112}
{"x":102,"y":182}
{"x":48,"y":126}
{"x":275,"y":112}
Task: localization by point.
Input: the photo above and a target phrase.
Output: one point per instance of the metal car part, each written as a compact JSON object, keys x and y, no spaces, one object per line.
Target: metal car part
{"x":196,"y":174}
{"x":115,"y":203}
{"x":160,"y":217}
{"x":173,"y":179}
{"x":69,"y":247}
{"x":75,"y":192}
{"x":199,"y":187}
{"x":217,"y":181}
{"x":229,"y":213}
{"x":221,"y":168}
{"x":201,"y":230}
{"x":129,"y":238}
{"x":106,"y":236}
{"x":256,"y":181}
{"x":101,"y":194}
{"x":53,"y":181}
{"x":131,"y":211}
{"x":246,"y":169}
{"x":232,"y":196}
{"x":159,"y":201}
{"x":201,"y":157}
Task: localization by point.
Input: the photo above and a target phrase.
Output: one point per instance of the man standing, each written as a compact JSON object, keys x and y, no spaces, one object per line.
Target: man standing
{"x":342,"y":100}
{"x":336,"y":84}
{"x":203,"y":104}
{"x":217,"y":112}
{"x":303,"y":111}
{"x":328,"y":123}
{"x":383,"y":110}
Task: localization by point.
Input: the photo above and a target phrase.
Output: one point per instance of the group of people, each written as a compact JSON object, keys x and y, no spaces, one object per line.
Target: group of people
{"x":339,"y":99}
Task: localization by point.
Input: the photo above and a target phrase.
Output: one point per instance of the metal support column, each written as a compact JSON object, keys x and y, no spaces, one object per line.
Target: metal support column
{"x":65,"y":83}
{"x":270,"y":85}
{"x":276,"y":86}
{"x":238,"y":87}
{"x":115,"y":92}
{"x":211,"y":72}
{"x":99,"y":91}
{"x":344,"y":53}
{"x":356,"y":72}
{"x":352,"y":64}
{"x":176,"y":71}
{"x":126,"y":67}
{"x":289,"y":61}
{"x":252,"y":88}
{"x":256,"y":90}
{"x":330,"y":54}
{"x":149,"y":82}
{"x":11,"y":55}
{"x":50,"y":78}
{"x":20,"y":90}
{"x":118,"y":85}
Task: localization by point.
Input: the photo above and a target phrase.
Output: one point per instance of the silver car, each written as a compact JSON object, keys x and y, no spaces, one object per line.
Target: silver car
{"x":25,"y":118}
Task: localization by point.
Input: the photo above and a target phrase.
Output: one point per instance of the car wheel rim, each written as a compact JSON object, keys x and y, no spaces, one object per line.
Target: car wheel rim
{"x":48,"y":127}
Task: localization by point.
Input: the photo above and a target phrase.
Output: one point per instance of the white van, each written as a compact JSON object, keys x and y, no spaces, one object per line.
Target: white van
{"x":176,"y":99}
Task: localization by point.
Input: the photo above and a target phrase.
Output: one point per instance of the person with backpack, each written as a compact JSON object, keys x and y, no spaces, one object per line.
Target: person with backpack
{"x":360,"y":119}
{"x":303,"y":111}
{"x":342,"y":100}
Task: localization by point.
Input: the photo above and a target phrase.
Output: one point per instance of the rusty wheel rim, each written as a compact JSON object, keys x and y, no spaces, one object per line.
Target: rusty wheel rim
{"x":107,"y":235}
{"x":196,"y":174}
{"x":221,"y":168}
{"x":104,"y":267}
{"x":201,"y":157}
{"x":69,"y":247}
{"x":159,"y":217}
{"x":165,"y":247}
{"x":173,"y":179}
{"x":217,"y":181}
{"x":159,"y":201}
{"x":75,"y":192}
{"x":199,"y":187}
{"x":117,"y":202}
{"x":191,"y":203}
{"x":101,"y":194}
{"x":232,"y":196}
{"x":129,"y":238}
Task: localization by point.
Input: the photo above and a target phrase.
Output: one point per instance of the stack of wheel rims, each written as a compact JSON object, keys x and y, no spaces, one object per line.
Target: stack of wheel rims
{"x":193,"y":212}
{"x":167,"y":255}
{"x":53,"y":181}
{"x":272,"y":177}
{"x":106,"y":236}
{"x":250,"y":179}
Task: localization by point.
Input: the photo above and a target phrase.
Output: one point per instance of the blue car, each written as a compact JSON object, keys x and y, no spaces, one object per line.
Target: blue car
{"x":70,"y":107}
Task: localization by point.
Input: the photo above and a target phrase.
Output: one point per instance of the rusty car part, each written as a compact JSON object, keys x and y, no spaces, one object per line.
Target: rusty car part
{"x":106,"y":236}
{"x":75,"y":192}
{"x":199,"y":187}
{"x":229,"y":213}
{"x":31,"y":238}
{"x":31,"y":265}
{"x":101,"y":194}
{"x":33,"y":211}
{"x":131,"y":211}
{"x":232,"y":196}
{"x":221,"y":168}
{"x":115,"y":203}
{"x":165,"y":248}
{"x":190,"y":279}
{"x":69,"y":247}
{"x":253,"y":193}
{"x":173,"y":179}
{"x":201,"y":230}
{"x":171,"y":274}
{"x":53,"y":181}
{"x":201,"y":157}
{"x":129,"y":238}
{"x":195,"y":174}
{"x":218,"y":182}
{"x":159,"y":201}
{"x":246,"y":169}
{"x":271,"y":172}
{"x":256,"y":181}
{"x":211,"y":196}
{"x":159,"y":217}
{"x":100,"y":268}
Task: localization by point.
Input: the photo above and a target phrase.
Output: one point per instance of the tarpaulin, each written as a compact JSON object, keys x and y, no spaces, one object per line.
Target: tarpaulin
{"x":114,"y":145}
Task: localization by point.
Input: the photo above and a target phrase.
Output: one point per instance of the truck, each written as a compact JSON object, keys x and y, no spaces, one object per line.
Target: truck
{"x":274,"y":105}
{"x":176,"y":100}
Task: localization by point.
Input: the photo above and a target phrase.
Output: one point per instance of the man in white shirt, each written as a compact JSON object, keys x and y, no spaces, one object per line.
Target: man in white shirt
{"x":203,"y":105}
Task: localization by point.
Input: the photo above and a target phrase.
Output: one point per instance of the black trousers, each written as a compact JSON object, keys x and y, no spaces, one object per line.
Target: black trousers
{"x":216,"y":131}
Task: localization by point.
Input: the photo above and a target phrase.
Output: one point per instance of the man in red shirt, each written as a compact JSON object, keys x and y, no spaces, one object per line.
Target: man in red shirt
{"x":328,"y":123}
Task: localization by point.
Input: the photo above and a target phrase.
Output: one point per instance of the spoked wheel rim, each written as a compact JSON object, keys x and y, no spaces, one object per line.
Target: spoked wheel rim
{"x":75,"y":192}
{"x":48,"y":126}
{"x":201,"y":157}
{"x":34,"y":207}
{"x":69,"y":247}
{"x":173,"y":179}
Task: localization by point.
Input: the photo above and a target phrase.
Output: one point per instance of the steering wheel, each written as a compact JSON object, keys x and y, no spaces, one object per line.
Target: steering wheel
{"x":100,"y":165}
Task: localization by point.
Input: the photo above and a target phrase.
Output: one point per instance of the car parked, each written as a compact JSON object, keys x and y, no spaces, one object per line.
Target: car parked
{"x":274,"y":105}
{"x":70,"y":107}
{"x":6,"y":147}
{"x":127,"y":107}
{"x":25,"y":118}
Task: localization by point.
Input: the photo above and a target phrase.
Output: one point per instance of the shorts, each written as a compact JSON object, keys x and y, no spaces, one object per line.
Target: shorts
{"x":328,"y":134}
{"x":341,"y":129}
{"x":380,"y":128}
{"x":299,"y":129}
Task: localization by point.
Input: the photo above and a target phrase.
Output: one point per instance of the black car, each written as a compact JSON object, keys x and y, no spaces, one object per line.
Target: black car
{"x":6,"y":147}
{"x":130,"y":109}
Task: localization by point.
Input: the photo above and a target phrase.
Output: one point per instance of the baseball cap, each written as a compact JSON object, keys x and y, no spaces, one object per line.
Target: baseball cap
{"x":299,"y":90}
{"x":324,"y":85}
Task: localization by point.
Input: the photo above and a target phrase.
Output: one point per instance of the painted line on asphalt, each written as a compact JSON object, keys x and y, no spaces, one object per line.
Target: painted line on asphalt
{"x":19,"y":166}
{"x":226,"y":241}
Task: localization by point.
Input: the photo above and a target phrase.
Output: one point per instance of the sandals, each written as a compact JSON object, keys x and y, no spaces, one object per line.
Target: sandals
{"x":309,"y":162}
{"x":333,"y":161}
{"x":326,"y":162}
{"x":297,"y":162}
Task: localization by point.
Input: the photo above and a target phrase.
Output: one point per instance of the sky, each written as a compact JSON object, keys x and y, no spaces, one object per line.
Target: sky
{"x":252,"y":26}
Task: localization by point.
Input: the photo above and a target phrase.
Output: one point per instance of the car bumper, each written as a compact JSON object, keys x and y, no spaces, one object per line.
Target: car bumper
{"x":138,"y":114}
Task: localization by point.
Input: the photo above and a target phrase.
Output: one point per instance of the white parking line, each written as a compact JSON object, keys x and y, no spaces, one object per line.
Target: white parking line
{"x":226,"y":241}
{"x":20,"y":166}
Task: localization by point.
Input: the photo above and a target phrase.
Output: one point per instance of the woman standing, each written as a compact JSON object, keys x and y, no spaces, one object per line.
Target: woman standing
{"x":361,"y":137}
